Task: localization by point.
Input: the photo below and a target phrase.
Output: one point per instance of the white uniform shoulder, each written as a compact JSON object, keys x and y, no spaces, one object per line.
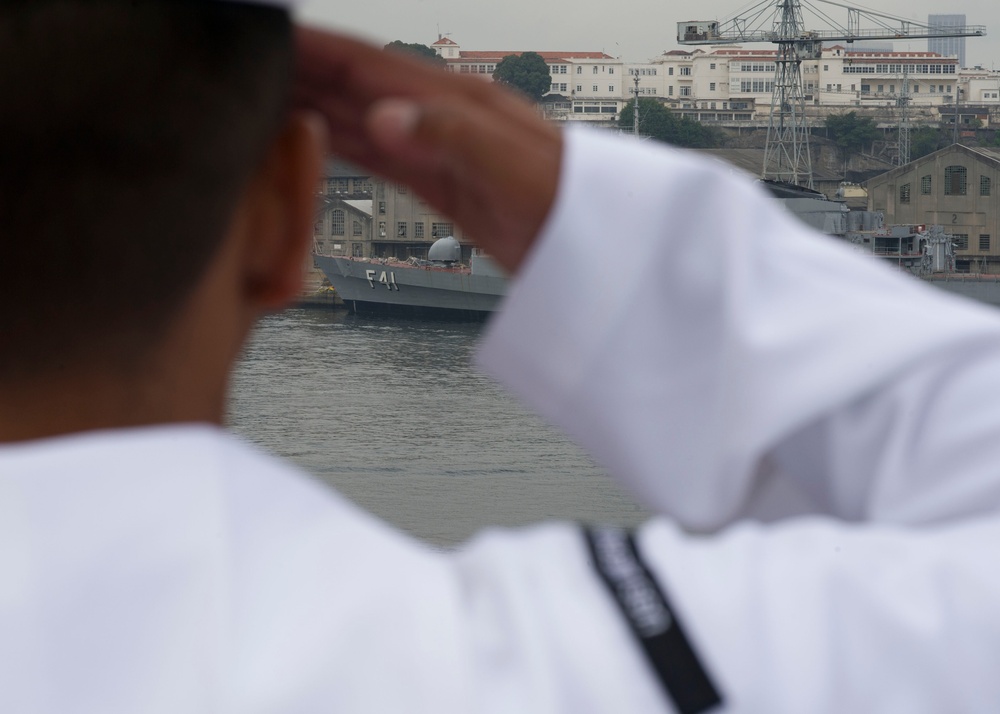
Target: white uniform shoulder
{"x":212,"y":577}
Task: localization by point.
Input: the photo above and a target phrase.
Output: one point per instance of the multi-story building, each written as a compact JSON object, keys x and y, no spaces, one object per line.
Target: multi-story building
{"x":839,"y":78}
{"x":405,"y":226}
{"x":980,"y":86}
{"x":948,"y":46}
{"x":699,"y":84}
{"x":734,"y":84}
{"x":585,"y":85}
{"x":880,"y":78}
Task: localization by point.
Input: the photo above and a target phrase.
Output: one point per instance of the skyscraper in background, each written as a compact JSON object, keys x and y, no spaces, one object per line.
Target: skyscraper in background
{"x":953,"y":46}
{"x":870,"y":46}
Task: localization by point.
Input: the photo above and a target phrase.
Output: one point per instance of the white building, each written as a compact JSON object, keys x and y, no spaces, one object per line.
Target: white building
{"x":585,"y":85}
{"x":738,"y":81}
{"x":980,"y":86}
{"x":733,"y":84}
{"x":879,"y":78}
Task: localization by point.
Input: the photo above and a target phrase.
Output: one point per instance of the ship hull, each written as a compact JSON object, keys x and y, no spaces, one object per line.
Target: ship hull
{"x":369,"y":288}
{"x":984,"y":288}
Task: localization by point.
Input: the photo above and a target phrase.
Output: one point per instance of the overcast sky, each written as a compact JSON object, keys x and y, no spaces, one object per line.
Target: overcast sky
{"x":635,"y":30}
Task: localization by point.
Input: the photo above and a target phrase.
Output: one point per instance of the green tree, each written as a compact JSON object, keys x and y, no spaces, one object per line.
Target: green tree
{"x":658,"y":122}
{"x":851,"y":132}
{"x":415,"y":48}
{"x":527,"y":73}
{"x":926,"y":139}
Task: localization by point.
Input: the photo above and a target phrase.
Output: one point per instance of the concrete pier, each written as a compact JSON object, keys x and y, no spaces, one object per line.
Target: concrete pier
{"x":317,"y":292}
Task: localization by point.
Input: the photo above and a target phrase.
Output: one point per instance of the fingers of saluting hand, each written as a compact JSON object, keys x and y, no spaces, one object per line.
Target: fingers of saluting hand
{"x":473,"y":150}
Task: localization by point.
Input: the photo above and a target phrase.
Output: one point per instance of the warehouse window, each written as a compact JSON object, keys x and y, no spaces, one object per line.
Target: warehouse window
{"x":984,"y":242}
{"x":442,"y":230}
{"x":984,"y":185}
{"x":961,"y":241}
{"x":336,"y":185}
{"x":418,"y":230}
{"x":356,"y":227}
{"x":337,"y":223}
{"x":925,"y":185}
{"x":955,"y":180}
{"x":904,"y":193}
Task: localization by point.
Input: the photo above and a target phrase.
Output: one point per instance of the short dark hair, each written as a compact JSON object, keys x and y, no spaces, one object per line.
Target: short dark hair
{"x":128,"y":129}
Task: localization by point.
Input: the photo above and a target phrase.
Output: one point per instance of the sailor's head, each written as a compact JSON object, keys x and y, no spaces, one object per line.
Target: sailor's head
{"x":136,"y":136}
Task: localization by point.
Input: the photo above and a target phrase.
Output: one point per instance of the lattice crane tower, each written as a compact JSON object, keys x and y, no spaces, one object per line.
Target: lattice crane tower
{"x":782,"y":22}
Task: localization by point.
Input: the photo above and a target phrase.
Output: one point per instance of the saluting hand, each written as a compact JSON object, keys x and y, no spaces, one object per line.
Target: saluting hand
{"x":471,"y":149}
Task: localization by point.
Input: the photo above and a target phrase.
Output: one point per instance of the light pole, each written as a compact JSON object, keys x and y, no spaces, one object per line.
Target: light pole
{"x":958,"y":96}
{"x":635,"y":112}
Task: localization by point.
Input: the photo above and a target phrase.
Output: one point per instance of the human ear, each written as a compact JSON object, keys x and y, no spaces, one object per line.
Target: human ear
{"x":279,"y":210}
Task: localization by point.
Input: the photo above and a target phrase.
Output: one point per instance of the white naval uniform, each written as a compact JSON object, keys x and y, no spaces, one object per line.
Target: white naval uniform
{"x":716,"y":357}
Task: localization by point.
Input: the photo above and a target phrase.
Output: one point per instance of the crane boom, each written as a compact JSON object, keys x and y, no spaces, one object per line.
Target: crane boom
{"x":764,"y":22}
{"x":697,"y":33}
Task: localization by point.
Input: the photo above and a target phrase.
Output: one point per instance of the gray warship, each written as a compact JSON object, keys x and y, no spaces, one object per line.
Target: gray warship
{"x":437,"y":288}
{"x":442,"y":288}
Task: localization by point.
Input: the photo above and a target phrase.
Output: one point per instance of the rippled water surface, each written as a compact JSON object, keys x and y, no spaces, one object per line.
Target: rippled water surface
{"x":392,"y":414}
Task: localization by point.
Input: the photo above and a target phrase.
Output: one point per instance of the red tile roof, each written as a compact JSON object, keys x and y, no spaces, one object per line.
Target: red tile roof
{"x":899,"y":55}
{"x":547,"y":56}
{"x":746,"y":53}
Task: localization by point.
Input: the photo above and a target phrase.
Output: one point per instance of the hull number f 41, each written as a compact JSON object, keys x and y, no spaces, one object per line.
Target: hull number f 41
{"x":387,"y":278}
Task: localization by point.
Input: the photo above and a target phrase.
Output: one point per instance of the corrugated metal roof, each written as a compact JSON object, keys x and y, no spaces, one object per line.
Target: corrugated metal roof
{"x":986,"y":152}
{"x":980,"y":153}
{"x":365,"y":206}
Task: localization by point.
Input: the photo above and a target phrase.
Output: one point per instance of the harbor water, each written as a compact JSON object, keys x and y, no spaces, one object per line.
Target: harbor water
{"x":392,"y":414}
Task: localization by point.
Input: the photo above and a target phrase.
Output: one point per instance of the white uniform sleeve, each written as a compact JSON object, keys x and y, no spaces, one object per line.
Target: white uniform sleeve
{"x":724,"y":361}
